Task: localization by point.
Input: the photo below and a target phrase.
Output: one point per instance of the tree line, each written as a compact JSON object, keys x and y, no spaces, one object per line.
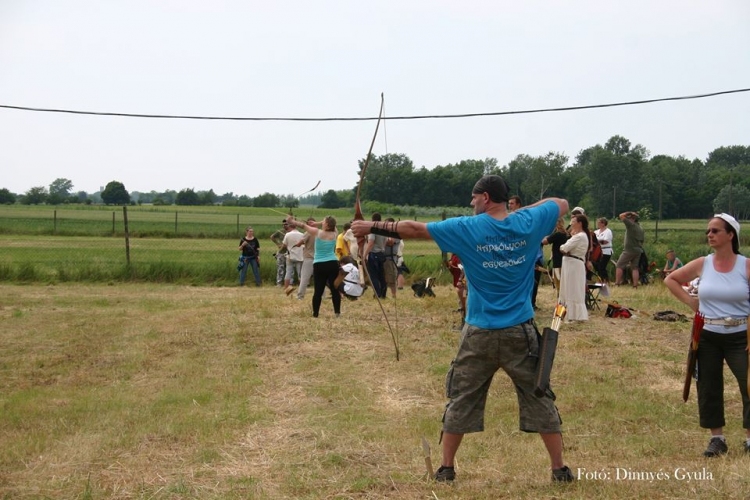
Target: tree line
{"x":605,"y":179}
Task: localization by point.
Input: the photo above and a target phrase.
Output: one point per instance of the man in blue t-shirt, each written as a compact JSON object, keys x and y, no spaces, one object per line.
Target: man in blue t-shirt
{"x":498,"y":250}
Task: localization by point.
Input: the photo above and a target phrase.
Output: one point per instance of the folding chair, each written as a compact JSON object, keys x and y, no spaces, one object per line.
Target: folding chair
{"x":592,"y":295}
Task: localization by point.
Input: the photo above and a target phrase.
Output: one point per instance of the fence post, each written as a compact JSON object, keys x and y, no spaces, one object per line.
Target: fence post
{"x":113,"y":223}
{"x":54,"y":223}
{"x":127,"y":234}
{"x":238,"y":224}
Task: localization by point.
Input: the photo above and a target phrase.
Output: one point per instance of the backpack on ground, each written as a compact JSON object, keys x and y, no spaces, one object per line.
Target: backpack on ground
{"x":616,"y":311}
{"x":423,"y":287}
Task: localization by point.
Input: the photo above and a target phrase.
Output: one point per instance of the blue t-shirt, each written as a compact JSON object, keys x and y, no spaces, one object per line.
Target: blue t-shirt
{"x":498,"y":258}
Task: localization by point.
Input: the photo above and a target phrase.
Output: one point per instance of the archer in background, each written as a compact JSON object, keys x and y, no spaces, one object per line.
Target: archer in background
{"x":390,"y":266}
{"x":325,"y":263}
{"x":278,"y":239}
{"x":374,"y":257}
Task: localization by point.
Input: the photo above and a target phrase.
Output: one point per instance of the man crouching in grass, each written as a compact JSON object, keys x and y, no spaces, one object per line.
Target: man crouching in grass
{"x":498,"y":250}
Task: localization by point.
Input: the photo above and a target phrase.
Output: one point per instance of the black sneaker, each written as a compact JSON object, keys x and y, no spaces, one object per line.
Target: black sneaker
{"x":716,"y":447}
{"x":562,"y":475}
{"x":747,"y":448}
{"x":445,"y":474}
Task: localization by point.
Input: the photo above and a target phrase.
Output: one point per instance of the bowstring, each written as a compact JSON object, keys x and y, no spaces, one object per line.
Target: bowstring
{"x":397,"y":339}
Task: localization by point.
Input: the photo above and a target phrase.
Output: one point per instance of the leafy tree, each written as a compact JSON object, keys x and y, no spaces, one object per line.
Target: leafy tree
{"x":663,"y":174}
{"x":244,"y":201}
{"x":447,"y":185}
{"x":727,"y":166}
{"x":115,"y":194}
{"x":611,"y":177}
{"x":35,"y":196}
{"x":346,"y":197}
{"x":289,"y":201}
{"x":617,"y":145}
{"x":169,"y":196}
{"x":729,"y":156}
{"x":187,"y":197}
{"x":543,"y":176}
{"x":734,"y":200}
{"x":266,"y":200}
{"x":228,"y":199}
{"x":438,"y":186}
{"x":313,"y":199}
{"x":516,"y":173}
{"x":207,"y":197}
{"x":330,"y":200}
{"x":59,"y":191}
{"x":6,"y":197}
{"x":388,"y":178}
{"x":61,"y":187}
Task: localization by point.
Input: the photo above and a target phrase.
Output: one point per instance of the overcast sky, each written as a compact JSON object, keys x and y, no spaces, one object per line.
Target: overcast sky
{"x":333,"y":59}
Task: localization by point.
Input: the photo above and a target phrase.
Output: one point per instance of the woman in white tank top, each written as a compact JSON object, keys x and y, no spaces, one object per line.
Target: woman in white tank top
{"x":724,"y":300}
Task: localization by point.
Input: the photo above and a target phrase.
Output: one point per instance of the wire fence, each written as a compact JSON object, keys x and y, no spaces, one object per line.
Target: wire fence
{"x":133,"y":244}
{"x":199,"y":245}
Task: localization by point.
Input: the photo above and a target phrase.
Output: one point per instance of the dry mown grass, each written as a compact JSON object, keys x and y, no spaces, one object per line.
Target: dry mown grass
{"x":143,"y":391}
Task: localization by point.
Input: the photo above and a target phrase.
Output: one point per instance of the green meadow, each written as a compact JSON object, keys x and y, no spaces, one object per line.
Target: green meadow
{"x":198,"y":245}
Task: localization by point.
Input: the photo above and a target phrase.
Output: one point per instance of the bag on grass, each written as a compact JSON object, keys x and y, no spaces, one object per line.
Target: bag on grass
{"x":423,"y":288}
{"x":615,"y":311}
{"x":669,"y":316}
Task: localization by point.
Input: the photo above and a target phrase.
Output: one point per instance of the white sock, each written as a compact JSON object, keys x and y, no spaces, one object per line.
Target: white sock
{"x":720,"y":436}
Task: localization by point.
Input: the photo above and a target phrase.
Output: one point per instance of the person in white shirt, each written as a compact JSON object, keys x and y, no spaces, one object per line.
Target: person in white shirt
{"x":604,"y":235}
{"x":296,"y":257}
{"x":348,"y":281}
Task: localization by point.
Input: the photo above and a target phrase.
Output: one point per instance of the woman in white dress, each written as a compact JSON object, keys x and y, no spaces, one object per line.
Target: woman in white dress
{"x":573,"y":272}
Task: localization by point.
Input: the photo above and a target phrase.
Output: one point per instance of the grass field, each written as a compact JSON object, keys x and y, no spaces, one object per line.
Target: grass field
{"x":165,"y":392}
{"x":196,"y":261}
{"x":198,"y":245}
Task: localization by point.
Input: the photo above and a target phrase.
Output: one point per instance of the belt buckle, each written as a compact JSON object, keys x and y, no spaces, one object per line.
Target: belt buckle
{"x":729,"y":321}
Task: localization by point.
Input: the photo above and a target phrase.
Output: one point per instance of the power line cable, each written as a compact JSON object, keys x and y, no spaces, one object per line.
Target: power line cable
{"x":349,"y":119}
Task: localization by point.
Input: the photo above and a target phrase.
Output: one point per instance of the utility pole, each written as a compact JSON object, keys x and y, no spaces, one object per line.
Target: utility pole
{"x":614,"y":201}
{"x":730,"y":191}
{"x":658,"y":218}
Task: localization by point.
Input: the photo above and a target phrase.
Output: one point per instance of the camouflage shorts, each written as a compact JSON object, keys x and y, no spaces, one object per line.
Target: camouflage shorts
{"x":481,"y":353}
{"x":390,"y":271}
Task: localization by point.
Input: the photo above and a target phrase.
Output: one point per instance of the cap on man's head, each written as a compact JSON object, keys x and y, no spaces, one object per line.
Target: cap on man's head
{"x":578,"y":211}
{"x":731,"y":221}
{"x":494,"y":185}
